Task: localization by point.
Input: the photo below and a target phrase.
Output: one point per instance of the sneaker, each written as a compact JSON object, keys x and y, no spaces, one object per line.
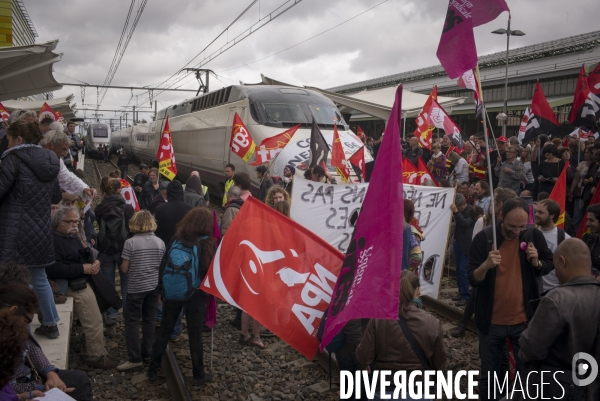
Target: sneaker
{"x":457,"y":297}
{"x":462,"y":302}
{"x":176,"y":338}
{"x":104,"y":362}
{"x":110,"y":331}
{"x":49,"y":331}
{"x":202,"y":380}
{"x":130,"y":366}
{"x":146,"y":359}
{"x":152,"y":375}
{"x":459,"y":331}
{"x":267,"y":333}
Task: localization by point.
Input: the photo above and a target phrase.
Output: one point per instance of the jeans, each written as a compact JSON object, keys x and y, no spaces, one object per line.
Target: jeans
{"x":177,"y":330}
{"x":491,"y":347}
{"x":123,"y":171}
{"x":108,"y":266}
{"x":86,"y":307}
{"x":142,"y":304}
{"x":194,"y":312}
{"x":43,"y":291}
{"x":461,"y":262}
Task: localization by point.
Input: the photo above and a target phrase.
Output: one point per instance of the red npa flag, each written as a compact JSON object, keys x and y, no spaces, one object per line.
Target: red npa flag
{"x":241,"y":142}
{"x":338,"y":157}
{"x":559,"y":195}
{"x":424,"y":128}
{"x":129,"y":195}
{"x":46,"y":111}
{"x":4,"y":114}
{"x":269,"y":148}
{"x":277,"y":271}
{"x":424,"y":173}
{"x":165,"y":154}
{"x":358,"y":159}
{"x":409,"y":173}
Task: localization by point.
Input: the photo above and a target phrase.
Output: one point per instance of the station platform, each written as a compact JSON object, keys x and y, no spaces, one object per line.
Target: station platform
{"x":57,"y":350}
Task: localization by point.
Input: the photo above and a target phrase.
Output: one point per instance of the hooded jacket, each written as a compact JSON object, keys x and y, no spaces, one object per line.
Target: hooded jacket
{"x":194,"y":194}
{"x":113,"y":206}
{"x":170,"y":213}
{"x":27,"y":176}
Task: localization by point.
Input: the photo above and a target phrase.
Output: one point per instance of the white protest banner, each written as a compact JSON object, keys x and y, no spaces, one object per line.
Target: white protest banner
{"x":327,"y":211}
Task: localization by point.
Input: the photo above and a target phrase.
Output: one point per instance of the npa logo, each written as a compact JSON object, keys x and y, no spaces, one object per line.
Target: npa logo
{"x":584,"y":365}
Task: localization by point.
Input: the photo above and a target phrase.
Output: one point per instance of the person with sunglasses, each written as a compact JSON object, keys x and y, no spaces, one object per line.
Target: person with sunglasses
{"x":505,"y":279}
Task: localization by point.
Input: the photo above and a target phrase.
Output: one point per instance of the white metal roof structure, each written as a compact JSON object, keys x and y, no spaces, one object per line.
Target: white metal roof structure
{"x":62,"y":104}
{"x":378,"y":102}
{"x":27,"y":70}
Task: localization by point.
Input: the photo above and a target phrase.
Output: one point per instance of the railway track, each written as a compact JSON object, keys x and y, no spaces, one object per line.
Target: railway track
{"x":175,"y":380}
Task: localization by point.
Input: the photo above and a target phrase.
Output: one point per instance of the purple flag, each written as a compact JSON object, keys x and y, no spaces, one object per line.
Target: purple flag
{"x":368,"y":285}
{"x":456,"y":51}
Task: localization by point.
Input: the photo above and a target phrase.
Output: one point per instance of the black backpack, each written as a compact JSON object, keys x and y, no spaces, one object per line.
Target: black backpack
{"x":113,"y":234}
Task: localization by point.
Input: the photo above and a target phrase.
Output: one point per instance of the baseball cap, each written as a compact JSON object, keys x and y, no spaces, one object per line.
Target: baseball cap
{"x":143,"y":165}
{"x":502,"y":139}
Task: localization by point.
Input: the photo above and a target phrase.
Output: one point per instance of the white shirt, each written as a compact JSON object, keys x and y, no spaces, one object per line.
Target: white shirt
{"x":550,"y":281}
{"x":69,"y":182}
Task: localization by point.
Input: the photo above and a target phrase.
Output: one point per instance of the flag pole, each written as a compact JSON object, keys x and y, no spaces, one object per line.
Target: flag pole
{"x":489,"y":162}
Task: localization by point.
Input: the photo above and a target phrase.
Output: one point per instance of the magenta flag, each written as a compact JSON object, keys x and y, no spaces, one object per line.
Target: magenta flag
{"x":368,"y":285}
{"x":457,"y":52}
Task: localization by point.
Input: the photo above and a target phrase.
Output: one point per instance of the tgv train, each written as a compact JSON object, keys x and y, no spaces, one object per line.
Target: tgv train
{"x":97,"y":134}
{"x":201,"y":130}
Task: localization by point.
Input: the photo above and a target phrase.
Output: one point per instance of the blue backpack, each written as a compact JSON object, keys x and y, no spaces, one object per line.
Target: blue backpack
{"x":182,"y":272}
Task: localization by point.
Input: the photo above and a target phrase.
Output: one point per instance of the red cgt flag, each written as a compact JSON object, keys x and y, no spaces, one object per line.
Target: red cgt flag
{"x":360,"y":133}
{"x":409,"y":173}
{"x":277,"y":271}
{"x":165,"y":154}
{"x":338,"y":157}
{"x":4,"y":114}
{"x":241,"y":142}
{"x":424,"y":128}
{"x":269,"y":148}
{"x":59,"y":117}
{"x":559,"y":195}
{"x":129,"y":195}
{"x":46,"y":111}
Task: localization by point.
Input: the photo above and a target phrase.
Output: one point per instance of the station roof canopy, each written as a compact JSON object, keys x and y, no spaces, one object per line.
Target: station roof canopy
{"x":62,"y":104}
{"x":27,"y":70}
{"x":377,"y":103}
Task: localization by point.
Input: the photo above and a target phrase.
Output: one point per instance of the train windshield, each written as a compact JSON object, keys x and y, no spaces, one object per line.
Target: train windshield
{"x":284,"y":113}
{"x":100,"y":133}
{"x":325,"y":114}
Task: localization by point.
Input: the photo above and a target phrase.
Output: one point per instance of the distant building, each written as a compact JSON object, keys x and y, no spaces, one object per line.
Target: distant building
{"x":555,"y":64}
{"x":16,"y":29}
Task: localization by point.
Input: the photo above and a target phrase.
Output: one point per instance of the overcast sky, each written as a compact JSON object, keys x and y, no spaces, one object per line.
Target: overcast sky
{"x":396,"y":36}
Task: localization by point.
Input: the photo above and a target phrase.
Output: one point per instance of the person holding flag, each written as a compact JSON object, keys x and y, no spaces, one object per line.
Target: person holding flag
{"x":165,"y":154}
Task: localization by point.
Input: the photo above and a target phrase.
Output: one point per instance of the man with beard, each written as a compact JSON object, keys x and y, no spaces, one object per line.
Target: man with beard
{"x":547,"y":213}
{"x":288,"y":178}
{"x":506,"y":283}
{"x":482,"y":193}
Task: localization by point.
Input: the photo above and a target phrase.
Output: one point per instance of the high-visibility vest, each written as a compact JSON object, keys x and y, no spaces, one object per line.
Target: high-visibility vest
{"x":228,"y":184}
{"x":479,"y":172}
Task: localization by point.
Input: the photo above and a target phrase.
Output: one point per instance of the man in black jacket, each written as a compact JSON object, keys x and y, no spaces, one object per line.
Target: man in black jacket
{"x":123,"y":162}
{"x":463,"y":233}
{"x":168,"y":214}
{"x":140,"y":179}
{"x":71,"y":275}
{"x":566,"y":322}
{"x":505,"y":281}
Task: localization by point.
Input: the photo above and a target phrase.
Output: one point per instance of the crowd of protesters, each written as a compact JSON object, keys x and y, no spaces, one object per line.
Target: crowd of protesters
{"x":530,"y":292}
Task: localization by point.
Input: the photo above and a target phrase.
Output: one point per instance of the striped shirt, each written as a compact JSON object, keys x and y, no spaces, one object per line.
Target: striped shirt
{"x":144,"y":253}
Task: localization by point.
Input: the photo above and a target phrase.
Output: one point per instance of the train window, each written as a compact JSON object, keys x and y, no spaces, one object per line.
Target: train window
{"x":253,"y":112}
{"x":293,"y":91}
{"x":284,"y":113}
{"x":100,"y":133}
{"x":325,"y":114}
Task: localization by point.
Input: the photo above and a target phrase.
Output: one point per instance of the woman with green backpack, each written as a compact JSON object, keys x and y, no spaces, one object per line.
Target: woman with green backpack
{"x":182,"y":269}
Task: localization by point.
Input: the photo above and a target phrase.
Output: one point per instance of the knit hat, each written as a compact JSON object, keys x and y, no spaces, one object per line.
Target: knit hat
{"x":292,"y":169}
